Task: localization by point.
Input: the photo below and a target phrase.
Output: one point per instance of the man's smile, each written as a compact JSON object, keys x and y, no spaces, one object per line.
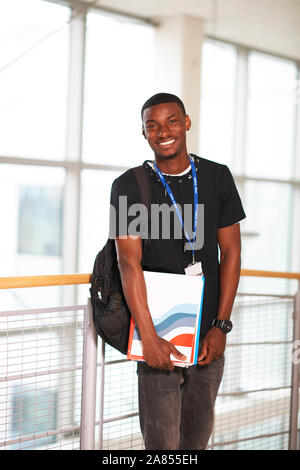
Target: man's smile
{"x":165,"y":143}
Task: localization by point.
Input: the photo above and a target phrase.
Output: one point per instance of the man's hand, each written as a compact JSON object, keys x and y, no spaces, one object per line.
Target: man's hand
{"x":157,"y":354}
{"x":213,"y":346}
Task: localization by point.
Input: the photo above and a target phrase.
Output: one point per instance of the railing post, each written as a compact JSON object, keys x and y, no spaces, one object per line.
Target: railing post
{"x":295,"y":376}
{"x":89,"y":375}
{"x":101,"y":393}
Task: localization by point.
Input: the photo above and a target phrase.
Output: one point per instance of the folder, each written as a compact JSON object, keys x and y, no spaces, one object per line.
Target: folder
{"x":175,"y":304}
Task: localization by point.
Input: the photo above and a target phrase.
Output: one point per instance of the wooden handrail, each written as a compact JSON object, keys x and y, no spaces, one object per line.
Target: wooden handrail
{"x":277,"y":274}
{"x":44,"y":281}
{"x":15,"y":282}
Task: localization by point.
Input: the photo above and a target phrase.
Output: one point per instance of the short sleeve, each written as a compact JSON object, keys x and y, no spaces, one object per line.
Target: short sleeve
{"x":124,"y":194}
{"x":231,"y":208}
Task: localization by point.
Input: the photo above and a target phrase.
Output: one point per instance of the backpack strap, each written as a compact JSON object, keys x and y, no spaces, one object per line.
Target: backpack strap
{"x":143,"y":180}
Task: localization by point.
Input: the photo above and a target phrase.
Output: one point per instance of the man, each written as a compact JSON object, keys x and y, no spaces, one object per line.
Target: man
{"x":176,"y":404}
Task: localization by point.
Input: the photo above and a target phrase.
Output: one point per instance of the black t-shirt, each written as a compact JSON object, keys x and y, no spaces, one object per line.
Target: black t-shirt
{"x":222,"y":208}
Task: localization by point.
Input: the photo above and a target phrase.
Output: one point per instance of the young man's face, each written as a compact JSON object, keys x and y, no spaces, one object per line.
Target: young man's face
{"x":165,"y":126}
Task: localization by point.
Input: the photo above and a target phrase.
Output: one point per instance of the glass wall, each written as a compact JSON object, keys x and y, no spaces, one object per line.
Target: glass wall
{"x":31,"y":207}
{"x":248,"y":121}
{"x":118,"y":79}
{"x":217,"y":105}
{"x":36,"y":121}
{"x":34,"y":64}
{"x":270,"y":138}
{"x":34,"y":93}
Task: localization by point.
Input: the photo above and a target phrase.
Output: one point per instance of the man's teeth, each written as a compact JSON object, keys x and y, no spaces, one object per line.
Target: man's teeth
{"x":168,"y":142}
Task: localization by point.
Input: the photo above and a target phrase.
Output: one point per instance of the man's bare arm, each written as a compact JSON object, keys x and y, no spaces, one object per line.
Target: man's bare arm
{"x":229,"y":240}
{"x":155,"y":349}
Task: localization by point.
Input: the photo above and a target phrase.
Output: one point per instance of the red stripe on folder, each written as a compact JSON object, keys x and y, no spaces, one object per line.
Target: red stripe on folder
{"x":183,"y":340}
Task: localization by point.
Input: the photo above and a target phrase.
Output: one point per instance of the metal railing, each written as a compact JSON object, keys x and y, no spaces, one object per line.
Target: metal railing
{"x":41,"y":377}
{"x":59,"y":389}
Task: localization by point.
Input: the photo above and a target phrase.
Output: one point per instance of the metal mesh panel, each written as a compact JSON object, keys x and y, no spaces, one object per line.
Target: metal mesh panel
{"x":40,"y":378}
{"x":253,"y":405}
{"x":121,"y":422}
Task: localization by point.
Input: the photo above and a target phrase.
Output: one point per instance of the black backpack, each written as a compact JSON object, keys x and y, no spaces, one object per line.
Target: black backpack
{"x":111,"y":315}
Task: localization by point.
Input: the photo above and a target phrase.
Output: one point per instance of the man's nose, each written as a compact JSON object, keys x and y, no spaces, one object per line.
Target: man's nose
{"x":163,"y":131}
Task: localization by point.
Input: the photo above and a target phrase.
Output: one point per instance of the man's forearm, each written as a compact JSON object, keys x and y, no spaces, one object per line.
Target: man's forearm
{"x":230,"y":267}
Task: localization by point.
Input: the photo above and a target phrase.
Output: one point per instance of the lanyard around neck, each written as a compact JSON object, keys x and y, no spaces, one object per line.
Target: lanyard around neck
{"x":171,"y":195}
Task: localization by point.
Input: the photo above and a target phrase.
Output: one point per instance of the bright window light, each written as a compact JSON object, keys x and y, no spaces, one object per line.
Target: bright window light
{"x":217,"y":101}
{"x":271,"y":117}
{"x":118,"y":80}
{"x":34,"y":64}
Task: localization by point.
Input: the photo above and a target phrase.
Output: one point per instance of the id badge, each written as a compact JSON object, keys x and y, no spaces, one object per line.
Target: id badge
{"x":194,"y":269}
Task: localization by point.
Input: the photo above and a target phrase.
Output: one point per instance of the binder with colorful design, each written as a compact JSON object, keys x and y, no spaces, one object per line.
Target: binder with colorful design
{"x":175,"y":303}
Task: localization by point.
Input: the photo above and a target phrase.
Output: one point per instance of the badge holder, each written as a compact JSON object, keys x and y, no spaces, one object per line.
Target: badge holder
{"x":194,"y":269}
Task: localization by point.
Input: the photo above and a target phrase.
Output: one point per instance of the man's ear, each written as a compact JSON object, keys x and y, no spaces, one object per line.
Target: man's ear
{"x":143,"y":132}
{"x":188,"y":123}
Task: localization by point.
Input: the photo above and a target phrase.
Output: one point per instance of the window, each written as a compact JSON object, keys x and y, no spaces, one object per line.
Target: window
{"x":271,"y":117}
{"x":253,"y":131}
{"x":33,"y":79}
{"x":117,"y":83}
{"x":217,"y":101}
{"x":31,"y":208}
{"x":40,"y":220}
{"x":268,"y":207}
{"x":94,"y":224}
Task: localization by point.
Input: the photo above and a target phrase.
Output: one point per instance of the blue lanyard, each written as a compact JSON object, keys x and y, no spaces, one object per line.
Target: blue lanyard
{"x":195,"y":188}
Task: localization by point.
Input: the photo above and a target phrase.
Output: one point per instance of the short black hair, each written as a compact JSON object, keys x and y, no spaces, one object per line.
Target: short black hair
{"x":162,"y":98}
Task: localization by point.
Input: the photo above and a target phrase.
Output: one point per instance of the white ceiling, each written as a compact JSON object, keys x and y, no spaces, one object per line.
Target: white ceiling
{"x":271,"y":25}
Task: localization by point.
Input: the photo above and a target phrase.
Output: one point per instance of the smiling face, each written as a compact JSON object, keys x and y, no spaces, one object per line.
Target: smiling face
{"x":164,"y":127}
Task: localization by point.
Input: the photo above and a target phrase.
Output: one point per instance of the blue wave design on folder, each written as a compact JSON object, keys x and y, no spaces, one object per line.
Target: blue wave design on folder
{"x":173,"y":318}
{"x":175,"y":321}
{"x":186,"y":308}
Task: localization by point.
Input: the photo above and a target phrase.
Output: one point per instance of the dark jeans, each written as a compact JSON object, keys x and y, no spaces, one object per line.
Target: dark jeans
{"x":177,"y":408}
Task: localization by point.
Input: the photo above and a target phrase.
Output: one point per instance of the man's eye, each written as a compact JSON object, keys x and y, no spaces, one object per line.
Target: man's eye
{"x":173,"y":120}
